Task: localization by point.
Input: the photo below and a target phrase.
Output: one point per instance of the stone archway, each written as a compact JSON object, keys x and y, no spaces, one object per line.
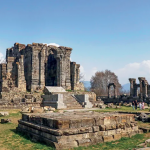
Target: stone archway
{"x":51,"y":71}
{"x":115,"y":90}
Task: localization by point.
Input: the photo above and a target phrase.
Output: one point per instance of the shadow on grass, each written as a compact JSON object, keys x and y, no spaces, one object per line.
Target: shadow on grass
{"x":29,"y":139}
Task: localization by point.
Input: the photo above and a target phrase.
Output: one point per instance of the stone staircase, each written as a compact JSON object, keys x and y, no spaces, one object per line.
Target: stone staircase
{"x":71,"y":102}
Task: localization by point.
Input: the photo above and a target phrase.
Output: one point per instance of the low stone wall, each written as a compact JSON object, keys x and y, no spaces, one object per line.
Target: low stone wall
{"x":124,"y":100}
{"x":17,"y":100}
{"x":73,"y":129}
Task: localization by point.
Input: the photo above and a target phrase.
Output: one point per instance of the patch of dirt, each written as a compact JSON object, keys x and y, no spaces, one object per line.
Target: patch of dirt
{"x":147,"y":135}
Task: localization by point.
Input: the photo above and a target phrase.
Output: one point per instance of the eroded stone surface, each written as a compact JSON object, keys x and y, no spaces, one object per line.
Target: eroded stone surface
{"x":73,"y":129}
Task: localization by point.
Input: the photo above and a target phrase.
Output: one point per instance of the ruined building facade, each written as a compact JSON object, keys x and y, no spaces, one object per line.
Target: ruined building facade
{"x":143,"y":86}
{"x":36,"y":65}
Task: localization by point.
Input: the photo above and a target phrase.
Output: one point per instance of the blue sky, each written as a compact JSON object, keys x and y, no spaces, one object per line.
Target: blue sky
{"x":110,"y":34}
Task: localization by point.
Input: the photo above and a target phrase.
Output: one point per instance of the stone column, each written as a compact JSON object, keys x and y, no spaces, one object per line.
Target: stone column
{"x":131,"y":87}
{"x":146,"y":90}
{"x":21,"y":77}
{"x":109,"y":95}
{"x":68,"y":83}
{"x":10,"y":61}
{"x":141,"y":86}
{"x":35,"y":69}
{"x":73,"y":75}
{"x":115,"y":92}
{"x":42,"y":70}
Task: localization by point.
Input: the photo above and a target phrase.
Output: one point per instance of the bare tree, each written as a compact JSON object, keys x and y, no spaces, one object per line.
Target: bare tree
{"x":101,"y":79}
{"x":81,"y":77}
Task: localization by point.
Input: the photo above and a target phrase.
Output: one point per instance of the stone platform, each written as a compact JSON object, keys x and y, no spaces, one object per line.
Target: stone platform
{"x":73,"y":129}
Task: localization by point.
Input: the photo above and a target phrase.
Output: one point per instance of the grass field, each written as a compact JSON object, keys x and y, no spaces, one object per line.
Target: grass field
{"x":123,"y":108}
{"x":10,"y":140}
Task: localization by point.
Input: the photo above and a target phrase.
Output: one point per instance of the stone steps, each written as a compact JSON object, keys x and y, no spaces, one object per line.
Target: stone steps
{"x":71,"y":102}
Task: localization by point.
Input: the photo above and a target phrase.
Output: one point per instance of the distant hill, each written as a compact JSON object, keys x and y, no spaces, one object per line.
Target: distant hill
{"x":86,"y":84}
{"x":126,"y":87}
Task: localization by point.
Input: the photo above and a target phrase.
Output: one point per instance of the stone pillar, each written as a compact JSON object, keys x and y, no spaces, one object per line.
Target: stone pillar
{"x":132,"y":86}
{"x":21,"y":77}
{"x":10,"y":61}
{"x":141,"y":86}
{"x":62,"y":72}
{"x":115,"y":92}
{"x":35,"y":69}
{"x":146,"y":89}
{"x":42,"y":69}
{"x":2,"y":75}
{"x":77,"y":73}
{"x":68,"y":83}
{"x":73,"y":75}
{"x":109,"y":95}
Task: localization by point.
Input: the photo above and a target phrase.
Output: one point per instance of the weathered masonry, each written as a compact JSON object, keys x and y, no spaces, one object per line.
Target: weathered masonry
{"x":143,"y":86}
{"x":73,"y":129}
{"x":36,"y":65}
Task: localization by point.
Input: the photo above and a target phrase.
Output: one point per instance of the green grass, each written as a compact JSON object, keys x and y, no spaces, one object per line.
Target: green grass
{"x":123,"y":108}
{"x":122,"y":144}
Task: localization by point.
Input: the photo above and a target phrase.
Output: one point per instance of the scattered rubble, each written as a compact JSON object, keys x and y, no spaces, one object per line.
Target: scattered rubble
{"x":5,"y":120}
{"x":4,"y":113}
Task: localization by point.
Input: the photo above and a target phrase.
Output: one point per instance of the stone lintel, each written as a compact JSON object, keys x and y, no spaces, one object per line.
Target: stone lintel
{"x":141,"y":78}
{"x":73,"y":63}
{"x":132,"y":79}
{"x":10,"y":59}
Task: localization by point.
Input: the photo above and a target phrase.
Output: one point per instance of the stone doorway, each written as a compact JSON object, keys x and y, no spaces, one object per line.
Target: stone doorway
{"x":51,"y":71}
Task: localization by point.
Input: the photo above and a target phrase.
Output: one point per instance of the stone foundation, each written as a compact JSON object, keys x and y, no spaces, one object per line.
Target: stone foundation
{"x":73,"y":129}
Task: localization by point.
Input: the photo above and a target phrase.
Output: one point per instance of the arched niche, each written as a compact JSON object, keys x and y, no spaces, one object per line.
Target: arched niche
{"x":51,"y":70}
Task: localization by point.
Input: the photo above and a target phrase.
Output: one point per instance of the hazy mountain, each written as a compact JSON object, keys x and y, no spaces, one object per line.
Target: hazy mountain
{"x":86,"y":84}
{"x":126,"y":87}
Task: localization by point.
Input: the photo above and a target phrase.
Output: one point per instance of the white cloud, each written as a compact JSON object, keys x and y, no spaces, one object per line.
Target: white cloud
{"x":54,"y":44}
{"x":82,"y":70}
{"x":89,"y":74}
{"x":134,"y":70}
{"x":2,"y":59}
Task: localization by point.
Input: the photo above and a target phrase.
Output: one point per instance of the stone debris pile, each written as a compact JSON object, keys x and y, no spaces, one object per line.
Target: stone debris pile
{"x":73,"y":129}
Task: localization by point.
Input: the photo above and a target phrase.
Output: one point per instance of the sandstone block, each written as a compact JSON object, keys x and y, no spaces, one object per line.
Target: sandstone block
{"x":87,"y":122}
{"x":118,"y":131}
{"x":99,"y":121}
{"x":108,"y":138}
{"x":96,"y":140}
{"x":61,"y":124}
{"x":117,"y":136}
{"x":96,"y":128}
{"x":124,"y":134}
{"x":135,"y":128}
{"x":111,"y":132}
{"x":106,"y":120}
{"x":84,"y":142}
{"x":75,"y":123}
{"x":102,"y":127}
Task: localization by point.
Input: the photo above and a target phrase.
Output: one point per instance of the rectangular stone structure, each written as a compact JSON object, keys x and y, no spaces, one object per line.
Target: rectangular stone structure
{"x":73,"y":129}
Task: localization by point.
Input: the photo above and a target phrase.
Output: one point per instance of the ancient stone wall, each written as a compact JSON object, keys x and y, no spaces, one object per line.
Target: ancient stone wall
{"x":33,"y":66}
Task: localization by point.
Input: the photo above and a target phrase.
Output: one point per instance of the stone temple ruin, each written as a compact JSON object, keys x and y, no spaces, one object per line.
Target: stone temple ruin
{"x":143,"y":85}
{"x":73,"y":129}
{"x":34,"y":66}
{"x":31,"y":69}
